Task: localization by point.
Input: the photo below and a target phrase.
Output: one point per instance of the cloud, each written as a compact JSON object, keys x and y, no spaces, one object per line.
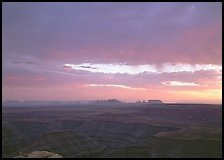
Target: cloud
{"x":88,"y":67}
{"x":176,"y":83}
{"x":147,"y":68}
{"x":67,"y":68}
{"x":52,"y":49}
{"x":24,"y":62}
{"x":114,"y":85}
{"x":131,"y":33}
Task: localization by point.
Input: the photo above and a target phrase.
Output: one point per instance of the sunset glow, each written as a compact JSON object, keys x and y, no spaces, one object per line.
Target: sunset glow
{"x":127,"y":51}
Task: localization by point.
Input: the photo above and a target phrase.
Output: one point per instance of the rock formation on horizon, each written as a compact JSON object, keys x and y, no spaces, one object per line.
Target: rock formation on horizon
{"x":155,"y":102}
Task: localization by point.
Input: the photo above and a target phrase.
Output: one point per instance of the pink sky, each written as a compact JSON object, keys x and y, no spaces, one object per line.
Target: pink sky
{"x":130,"y":51}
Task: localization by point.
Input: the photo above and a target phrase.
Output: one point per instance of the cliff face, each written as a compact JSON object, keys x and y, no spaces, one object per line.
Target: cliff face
{"x":39,"y":154}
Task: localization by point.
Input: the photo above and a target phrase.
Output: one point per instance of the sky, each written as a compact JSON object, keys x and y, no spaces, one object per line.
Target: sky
{"x":128,"y":51}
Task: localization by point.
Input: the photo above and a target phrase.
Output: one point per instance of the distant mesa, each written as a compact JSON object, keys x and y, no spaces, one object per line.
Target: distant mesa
{"x":150,"y":102}
{"x":58,"y":103}
{"x":109,"y":101}
{"x":38,"y":154}
{"x":138,"y":102}
{"x":113,"y":101}
{"x":155,"y":102}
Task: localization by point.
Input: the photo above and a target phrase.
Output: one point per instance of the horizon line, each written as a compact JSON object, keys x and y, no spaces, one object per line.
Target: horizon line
{"x":123,"y":101}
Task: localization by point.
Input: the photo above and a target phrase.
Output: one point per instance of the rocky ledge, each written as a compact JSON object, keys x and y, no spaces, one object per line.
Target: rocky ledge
{"x":38,"y":154}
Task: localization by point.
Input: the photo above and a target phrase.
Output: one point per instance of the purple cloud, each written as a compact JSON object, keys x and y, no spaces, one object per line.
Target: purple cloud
{"x":40,"y":38}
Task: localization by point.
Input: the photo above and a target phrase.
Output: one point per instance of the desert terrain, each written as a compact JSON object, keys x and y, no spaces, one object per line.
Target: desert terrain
{"x":114,"y":130}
